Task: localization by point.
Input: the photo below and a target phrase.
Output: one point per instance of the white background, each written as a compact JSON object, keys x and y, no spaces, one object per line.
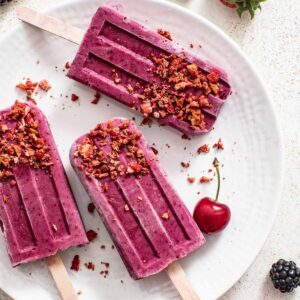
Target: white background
{"x":272,"y":41}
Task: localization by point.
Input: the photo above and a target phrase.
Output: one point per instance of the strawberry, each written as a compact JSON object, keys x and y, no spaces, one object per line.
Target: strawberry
{"x":228,"y":4}
{"x":243,"y":5}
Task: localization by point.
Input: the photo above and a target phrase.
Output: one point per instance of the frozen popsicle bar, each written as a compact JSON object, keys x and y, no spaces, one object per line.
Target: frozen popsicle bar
{"x":145,"y":217}
{"x":38,"y":213}
{"x":149,"y":73}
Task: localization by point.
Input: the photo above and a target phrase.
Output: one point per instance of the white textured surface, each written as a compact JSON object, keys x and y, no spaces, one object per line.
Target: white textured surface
{"x":272,"y":43}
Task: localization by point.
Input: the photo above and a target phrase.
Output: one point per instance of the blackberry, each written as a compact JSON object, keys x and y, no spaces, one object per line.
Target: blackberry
{"x":4,"y":1}
{"x":285,"y":275}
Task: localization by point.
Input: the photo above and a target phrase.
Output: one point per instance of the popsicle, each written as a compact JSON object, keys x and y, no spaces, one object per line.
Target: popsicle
{"x":142,"y":69}
{"x":144,"y":215}
{"x":38,"y":213}
{"x":148,"y":72}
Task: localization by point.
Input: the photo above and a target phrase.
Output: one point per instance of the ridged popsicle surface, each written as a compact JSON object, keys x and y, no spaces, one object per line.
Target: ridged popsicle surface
{"x":38,"y":213}
{"x":144,"y":215}
{"x":119,"y":57}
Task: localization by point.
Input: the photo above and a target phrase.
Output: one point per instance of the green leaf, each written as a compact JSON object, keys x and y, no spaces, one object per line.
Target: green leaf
{"x":251,"y":8}
{"x":247,"y":5}
{"x":240,"y":11}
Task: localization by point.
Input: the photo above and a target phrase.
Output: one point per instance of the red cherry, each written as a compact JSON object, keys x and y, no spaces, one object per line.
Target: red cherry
{"x":211,"y":216}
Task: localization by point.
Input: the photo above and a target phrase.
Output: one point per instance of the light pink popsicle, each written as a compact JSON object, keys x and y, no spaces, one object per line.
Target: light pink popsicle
{"x":144,"y":215}
{"x":38,"y":213}
{"x":115,"y":44}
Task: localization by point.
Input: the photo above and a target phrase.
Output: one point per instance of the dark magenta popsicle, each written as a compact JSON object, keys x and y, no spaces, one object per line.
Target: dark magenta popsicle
{"x":147,"y":72}
{"x":144,"y":215}
{"x":38,"y":214}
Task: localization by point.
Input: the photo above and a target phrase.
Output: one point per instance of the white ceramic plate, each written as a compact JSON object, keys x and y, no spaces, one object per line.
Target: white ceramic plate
{"x":252,"y":157}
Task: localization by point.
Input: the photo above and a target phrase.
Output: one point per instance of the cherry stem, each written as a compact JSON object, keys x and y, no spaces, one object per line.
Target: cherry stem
{"x":216,"y":165}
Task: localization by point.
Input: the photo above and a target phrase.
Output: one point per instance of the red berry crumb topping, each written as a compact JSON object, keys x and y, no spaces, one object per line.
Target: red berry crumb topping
{"x":91,"y":208}
{"x":75,"y":263}
{"x":203,"y":149}
{"x":91,"y":235}
{"x":74,"y":97}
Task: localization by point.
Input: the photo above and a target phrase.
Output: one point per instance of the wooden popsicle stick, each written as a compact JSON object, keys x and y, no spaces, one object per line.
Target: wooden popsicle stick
{"x":4,"y":295}
{"x":61,"y":278}
{"x":75,"y":35}
{"x":181,"y":282}
{"x":50,"y":24}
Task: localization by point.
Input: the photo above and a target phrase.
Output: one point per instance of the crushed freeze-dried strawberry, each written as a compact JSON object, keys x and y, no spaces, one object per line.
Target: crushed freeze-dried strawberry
{"x":155,"y":151}
{"x":91,"y":208}
{"x":67,"y":65}
{"x":21,"y":143}
{"x":106,"y":264}
{"x":134,"y":167}
{"x":219,"y":145}
{"x":204,"y":179}
{"x":164,"y":33}
{"x":28,"y":86}
{"x":91,"y":235}
{"x":104,"y":187}
{"x":146,"y":108}
{"x":74,"y":97}
{"x":96,"y":99}
{"x":3,"y":128}
{"x":44,"y":85}
{"x":129,"y":88}
{"x":117,"y":78}
{"x":185,"y":164}
{"x":172,"y":97}
{"x":213,"y":76}
{"x":203,"y":149}
{"x":166,"y":215}
{"x":5,"y":198}
{"x":75,"y":263}
{"x":90,"y":266}
{"x":122,"y":140}
{"x":54,"y":227}
{"x":146,"y":121}
{"x":191,"y":179}
{"x":126,"y":207}
{"x":185,"y":137}
{"x":104,"y":273}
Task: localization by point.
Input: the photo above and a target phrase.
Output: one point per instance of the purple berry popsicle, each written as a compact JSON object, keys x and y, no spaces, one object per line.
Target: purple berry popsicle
{"x":145,"y":217}
{"x":147,"y":72}
{"x":38,"y":213}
